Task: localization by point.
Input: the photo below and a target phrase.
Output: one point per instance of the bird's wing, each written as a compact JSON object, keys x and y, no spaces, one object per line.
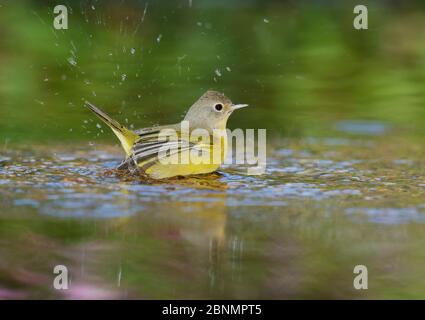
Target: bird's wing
{"x":153,"y":147}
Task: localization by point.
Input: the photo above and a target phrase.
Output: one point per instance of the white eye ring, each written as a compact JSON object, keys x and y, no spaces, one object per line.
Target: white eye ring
{"x":218,"y":107}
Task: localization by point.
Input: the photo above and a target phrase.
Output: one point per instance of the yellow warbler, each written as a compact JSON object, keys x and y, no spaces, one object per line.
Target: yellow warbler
{"x":153,"y":150}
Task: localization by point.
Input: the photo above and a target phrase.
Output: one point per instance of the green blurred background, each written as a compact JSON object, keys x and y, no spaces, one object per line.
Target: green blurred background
{"x":300,"y":64}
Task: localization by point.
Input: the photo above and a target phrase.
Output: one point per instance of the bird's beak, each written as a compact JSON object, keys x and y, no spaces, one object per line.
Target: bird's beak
{"x":238,"y":106}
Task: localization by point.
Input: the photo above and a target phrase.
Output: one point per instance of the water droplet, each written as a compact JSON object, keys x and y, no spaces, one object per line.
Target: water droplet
{"x":217,"y":72}
{"x":72,"y":61}
{"x":133,"y":51}
{"x":158,"y":39}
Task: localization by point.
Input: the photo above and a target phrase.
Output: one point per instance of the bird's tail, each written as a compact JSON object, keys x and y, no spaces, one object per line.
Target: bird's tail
{"x":126,"y":136}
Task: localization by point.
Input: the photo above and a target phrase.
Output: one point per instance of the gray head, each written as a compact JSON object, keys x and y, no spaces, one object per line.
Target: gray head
{"x":211,"y":111}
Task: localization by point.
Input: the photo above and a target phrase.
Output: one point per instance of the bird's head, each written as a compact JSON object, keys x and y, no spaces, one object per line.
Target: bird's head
{"x":211,"y":111}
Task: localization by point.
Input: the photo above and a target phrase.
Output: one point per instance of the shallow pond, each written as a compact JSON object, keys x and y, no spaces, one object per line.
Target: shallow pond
{"x":322,"y":207}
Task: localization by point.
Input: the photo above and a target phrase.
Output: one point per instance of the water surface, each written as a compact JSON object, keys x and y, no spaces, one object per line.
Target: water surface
{"x":297,"y":231}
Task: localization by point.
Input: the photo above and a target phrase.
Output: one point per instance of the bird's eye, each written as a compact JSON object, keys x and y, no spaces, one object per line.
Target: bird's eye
{"x":218,"y":107}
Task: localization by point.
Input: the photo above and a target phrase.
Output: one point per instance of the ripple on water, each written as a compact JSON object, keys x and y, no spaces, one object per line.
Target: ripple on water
{"x":289,"y":190}
{"x":255,"y":203}
{"x":26,"y":202}
{"x":306,"y":166}
{"x":289,"y":169}
{"x":388,"y":216}
{"x":89,"y":209}
{"x":363,"y":127}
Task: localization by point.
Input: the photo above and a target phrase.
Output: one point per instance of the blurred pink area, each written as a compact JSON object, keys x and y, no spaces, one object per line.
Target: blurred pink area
{"x":10,"y":294}
{"x":90,"y":292}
